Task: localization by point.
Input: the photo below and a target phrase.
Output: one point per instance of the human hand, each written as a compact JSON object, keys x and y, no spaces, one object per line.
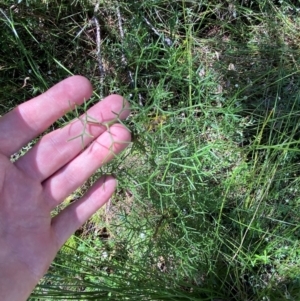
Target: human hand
{"x":40,"y":180}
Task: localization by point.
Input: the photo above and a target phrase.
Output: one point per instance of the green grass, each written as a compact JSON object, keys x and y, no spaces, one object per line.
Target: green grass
{"x":208,"y":205}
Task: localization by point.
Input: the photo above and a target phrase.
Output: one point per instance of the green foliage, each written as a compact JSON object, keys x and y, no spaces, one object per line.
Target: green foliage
{"x":207,"y":206}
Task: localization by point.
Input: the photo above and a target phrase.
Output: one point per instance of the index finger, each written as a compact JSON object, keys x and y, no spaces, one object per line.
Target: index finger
{"x":33,"y":117}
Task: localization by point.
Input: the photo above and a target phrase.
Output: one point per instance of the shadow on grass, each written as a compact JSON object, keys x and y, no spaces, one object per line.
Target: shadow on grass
{"x":260,"y":73}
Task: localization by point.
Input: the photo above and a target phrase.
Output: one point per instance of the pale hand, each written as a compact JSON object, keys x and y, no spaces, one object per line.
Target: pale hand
{"x":40,"y":180}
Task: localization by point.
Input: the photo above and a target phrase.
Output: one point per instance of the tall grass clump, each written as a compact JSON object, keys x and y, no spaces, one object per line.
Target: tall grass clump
{"x":207,"y":206}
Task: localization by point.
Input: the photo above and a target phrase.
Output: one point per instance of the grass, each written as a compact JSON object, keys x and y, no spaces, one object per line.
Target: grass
{"x":207,"y":206}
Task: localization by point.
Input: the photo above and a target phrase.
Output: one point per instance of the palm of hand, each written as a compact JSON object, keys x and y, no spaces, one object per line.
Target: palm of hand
{"x":26,"y":234}
{"x":36,"y":183}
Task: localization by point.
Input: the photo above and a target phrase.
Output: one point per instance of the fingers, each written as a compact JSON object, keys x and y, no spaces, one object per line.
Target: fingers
{"x":54,"y":150}
{"x":31,"y":118}
{"x":75,"y":215}
{"x":76,"y":172}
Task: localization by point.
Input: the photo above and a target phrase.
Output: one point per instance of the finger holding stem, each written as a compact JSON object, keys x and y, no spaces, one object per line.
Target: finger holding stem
{"x":75,"y":173}
{"x":56,"y":146}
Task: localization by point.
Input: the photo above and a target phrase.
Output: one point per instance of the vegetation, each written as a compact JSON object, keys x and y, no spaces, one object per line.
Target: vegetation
{"x":208,"y":202}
